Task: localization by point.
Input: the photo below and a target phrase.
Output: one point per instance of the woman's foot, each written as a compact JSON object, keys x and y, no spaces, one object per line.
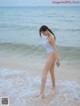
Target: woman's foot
{"x":53,"y":87}
{"x":40,"y":96}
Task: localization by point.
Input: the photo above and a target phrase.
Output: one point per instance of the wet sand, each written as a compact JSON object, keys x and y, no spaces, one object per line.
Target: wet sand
{"x":20,"y":81}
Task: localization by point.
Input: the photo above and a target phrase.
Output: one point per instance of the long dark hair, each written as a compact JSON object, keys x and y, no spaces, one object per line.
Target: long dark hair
{"x":44,"y":28}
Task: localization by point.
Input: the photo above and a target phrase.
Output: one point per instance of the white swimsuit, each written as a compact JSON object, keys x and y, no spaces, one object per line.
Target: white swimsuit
{"x":48,"y":46}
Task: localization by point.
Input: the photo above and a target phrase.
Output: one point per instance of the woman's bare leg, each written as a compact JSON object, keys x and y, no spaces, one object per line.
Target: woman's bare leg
{"x":52,"y":76}
{"x":47,"y":67}
{"x":52,"y":73}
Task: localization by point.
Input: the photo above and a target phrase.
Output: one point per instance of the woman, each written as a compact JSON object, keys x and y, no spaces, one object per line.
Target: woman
{"x":53,"y":57}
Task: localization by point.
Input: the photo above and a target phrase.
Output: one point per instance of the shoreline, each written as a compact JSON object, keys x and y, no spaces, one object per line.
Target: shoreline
{"x":20,"y":81}
{"x":35,"y":67}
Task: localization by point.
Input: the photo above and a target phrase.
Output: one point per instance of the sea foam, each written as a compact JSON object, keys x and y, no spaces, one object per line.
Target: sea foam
{"x":21,"y":87}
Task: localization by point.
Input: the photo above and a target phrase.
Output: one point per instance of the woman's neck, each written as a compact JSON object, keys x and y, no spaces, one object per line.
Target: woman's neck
{"x":49,"y":35}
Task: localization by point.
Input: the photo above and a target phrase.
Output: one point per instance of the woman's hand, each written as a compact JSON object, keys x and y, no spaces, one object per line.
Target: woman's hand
{"x":58,"y":62}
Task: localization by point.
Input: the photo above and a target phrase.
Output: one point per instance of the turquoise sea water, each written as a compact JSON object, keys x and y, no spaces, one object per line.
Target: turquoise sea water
{"x":19,"y":31}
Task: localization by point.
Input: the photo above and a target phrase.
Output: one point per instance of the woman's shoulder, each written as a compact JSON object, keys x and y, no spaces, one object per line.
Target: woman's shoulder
{"x":51,"y":38}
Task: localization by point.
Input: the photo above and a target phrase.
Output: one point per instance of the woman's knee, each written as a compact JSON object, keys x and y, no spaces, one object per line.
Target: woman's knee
{"x":44,"y":77}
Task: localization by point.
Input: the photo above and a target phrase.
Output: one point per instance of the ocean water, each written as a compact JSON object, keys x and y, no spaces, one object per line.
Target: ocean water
{"x":20,"y":25}
{"x":19,"y":31}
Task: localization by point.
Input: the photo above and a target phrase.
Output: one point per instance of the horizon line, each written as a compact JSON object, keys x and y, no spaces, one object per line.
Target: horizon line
{"x":34,"y":5}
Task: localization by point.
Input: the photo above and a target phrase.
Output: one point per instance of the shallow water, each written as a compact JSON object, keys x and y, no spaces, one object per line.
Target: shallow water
{"x":21,"y":87}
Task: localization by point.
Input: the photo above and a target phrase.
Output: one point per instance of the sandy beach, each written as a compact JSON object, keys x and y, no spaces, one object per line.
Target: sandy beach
{"x":20,"y":82}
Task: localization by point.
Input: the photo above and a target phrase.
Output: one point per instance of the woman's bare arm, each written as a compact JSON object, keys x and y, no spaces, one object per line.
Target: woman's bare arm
{"x":52,"y":42}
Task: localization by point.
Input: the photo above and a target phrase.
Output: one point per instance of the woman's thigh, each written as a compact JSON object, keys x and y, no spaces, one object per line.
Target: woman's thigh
{"x":50,"y":61}
{"x":53,"y":65}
